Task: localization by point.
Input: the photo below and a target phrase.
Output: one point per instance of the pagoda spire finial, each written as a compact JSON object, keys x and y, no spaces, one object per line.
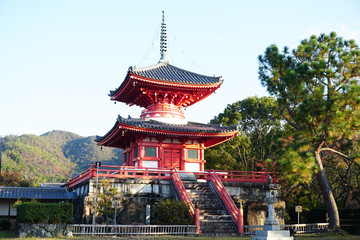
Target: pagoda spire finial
{"x":163,"y":40}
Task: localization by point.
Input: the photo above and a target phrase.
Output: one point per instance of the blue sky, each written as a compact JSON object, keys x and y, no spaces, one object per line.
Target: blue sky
{"x":59,"y":59}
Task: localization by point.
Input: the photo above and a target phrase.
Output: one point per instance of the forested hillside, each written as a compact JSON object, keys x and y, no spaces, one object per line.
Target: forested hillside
{"x":53,"y":156}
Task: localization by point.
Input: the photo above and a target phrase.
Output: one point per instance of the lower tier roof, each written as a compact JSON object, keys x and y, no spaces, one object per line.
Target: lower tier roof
{"x":36,"y":193}
{"x":127,"y":129}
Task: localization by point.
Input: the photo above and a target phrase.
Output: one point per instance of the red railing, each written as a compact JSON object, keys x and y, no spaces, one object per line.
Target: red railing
{"x":182,"y":191}
{"x":121,"y":172}
{"x":194,"y":213}
{"x":157,"y":173}
{"x":227,"y":200}
{"x":241,"y":176}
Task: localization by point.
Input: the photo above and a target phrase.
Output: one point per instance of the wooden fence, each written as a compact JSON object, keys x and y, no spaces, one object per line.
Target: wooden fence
{"x":299,"y":228}
{"x":128,"y":230}
{"x":179,"y":230}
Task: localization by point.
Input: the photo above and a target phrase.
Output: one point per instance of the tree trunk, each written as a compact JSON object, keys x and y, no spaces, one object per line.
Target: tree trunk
{"x":334,"y":220}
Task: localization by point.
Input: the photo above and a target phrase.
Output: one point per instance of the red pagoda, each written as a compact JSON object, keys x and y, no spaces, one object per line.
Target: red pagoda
{"x":162,"y":137}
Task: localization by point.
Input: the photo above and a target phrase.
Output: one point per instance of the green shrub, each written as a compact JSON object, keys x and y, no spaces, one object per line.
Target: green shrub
{"x":32,"y":212}
{"x":171,"y":212}
{"x":4,"y":224}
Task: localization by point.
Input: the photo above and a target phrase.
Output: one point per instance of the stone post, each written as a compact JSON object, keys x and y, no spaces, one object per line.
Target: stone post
{"x":147,"y":220}
{"x":272,"y":227}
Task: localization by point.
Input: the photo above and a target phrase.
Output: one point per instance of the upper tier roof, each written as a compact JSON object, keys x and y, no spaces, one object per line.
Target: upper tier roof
{"x":125,"y":128}
{"x":169,"y":73}
{"x":141,"y":83}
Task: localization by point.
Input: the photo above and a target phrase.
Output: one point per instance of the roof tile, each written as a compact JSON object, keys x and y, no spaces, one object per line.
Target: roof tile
{"x":35,"y":193}
{"x":169,"y":73}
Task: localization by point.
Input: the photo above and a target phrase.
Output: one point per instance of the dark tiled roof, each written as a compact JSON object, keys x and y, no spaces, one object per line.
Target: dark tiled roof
{"x":35,"y":193}
{"x":169,"y":73}
{"x":190,"y":127}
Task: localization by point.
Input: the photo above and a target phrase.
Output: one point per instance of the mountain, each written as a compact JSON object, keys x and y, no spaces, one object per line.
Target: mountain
{"x":53,"y":156}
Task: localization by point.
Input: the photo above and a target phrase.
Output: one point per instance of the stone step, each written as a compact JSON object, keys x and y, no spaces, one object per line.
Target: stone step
{"x":199,"y":190}
{"x":194,"y":185}
{"x":210,"y":205}
{"x":222,"y":223}
{"x":202,"y":200}
{"x":200,"y":195}
{"x":187,"y":177}
{"x":215,"y":217}
{"x":212,"y":212}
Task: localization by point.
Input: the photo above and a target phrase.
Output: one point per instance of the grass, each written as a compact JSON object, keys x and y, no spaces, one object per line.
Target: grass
{"x":12,"y":235}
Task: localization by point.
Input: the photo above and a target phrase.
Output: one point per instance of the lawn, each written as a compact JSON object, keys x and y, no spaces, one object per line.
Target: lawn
{"x":12,"y":235}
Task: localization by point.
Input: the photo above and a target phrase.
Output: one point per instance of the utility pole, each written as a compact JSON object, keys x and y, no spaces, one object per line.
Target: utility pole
{"x":97,"y":165}
{"x":0,"y":161}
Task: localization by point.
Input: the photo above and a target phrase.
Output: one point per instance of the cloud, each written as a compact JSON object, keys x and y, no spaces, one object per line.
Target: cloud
{"x":343,"y":30}
{"x":222,"y":38}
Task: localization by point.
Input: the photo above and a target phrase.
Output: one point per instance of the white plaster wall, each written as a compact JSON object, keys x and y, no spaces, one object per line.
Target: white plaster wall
{"x":192,"y":167}
{"x":4,"y":208}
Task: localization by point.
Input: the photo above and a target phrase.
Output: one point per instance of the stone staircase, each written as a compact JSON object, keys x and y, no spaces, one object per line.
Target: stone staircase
{"x":214,"y":219}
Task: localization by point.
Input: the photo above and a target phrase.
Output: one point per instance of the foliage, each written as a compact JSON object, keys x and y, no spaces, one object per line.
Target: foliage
{"x":317,"y":90}
{"x":259,"y":122}
{"x":51,"y":157}
{"x":13,"y":179}
{"x":84,"y":151}
{"x":32,"y":212}
{"x":171,"y":212}
{"x":4,"y":224}
{"x":106,"y":195}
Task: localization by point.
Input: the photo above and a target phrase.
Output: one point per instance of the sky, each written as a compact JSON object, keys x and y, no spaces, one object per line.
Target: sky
{"x":60,"y":59}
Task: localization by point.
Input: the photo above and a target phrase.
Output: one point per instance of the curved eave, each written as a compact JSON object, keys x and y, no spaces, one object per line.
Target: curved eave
{"x":120,"y":133}
{"x":186,"y":86}
{"x":130,"y":89}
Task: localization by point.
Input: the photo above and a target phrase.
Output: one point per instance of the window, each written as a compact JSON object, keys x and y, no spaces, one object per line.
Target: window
{"x":150,"y":152}
{"x":136,"y":152}
{"x":193,"y":154}
{"x":126,"y":157}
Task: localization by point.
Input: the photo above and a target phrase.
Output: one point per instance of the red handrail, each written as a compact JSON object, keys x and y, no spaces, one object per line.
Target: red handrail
{"x":158,"y":173}
{"x":226,"y":199}
{"x":122,"y":172}
{"x":182,"y":191}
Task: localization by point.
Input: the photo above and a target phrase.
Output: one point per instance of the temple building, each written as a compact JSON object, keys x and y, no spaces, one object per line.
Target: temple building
{"x":162,"y":137}
{"x":163,"y":157}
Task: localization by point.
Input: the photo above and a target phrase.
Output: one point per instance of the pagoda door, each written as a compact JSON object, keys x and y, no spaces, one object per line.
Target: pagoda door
{"x":171,"y":158}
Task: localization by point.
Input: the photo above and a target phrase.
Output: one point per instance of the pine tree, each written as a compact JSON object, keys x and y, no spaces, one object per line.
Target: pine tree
{"x":317,"y":90}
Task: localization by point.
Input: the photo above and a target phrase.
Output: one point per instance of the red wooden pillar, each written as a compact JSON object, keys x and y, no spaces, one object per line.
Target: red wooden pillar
{"x":183,"y":159}
{"x":140,"y":149}
{"x":240,"y":220}
{"x":197,"y":220}
{"x":202,"y":153}
{"x":160,"y":155}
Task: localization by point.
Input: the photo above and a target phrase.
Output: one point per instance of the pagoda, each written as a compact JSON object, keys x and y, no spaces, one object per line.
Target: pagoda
{"x":162,"y":138}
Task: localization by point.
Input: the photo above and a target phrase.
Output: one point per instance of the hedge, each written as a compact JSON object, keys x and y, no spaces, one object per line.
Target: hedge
{"x":171,"y":212}
{"x":32,"y":212}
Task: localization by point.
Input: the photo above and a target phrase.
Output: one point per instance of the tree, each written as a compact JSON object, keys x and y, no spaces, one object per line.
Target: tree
{"x":259,"y":122}
{"x":317,"y":90}
{"x":106,"y":198}
{"x":13,"y":179}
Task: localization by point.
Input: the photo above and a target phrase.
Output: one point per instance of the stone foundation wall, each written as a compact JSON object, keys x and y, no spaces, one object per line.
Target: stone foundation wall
{"x":132,"y":194}
{"x":135,"y":194}
{"x":45,"y":230}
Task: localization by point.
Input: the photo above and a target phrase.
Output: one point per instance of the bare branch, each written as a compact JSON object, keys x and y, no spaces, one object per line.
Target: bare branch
{"x":341,"y":154}
{"x":288,"y":120}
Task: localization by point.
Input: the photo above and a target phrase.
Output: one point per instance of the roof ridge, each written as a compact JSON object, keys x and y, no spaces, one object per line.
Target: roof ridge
{"x":135,"y":69}
{"x":198,"y":74}
{"x":175,"y":71}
